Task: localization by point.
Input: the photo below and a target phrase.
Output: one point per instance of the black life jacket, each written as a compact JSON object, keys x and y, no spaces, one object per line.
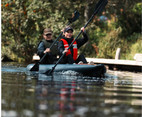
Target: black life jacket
{"x":54,"y":49}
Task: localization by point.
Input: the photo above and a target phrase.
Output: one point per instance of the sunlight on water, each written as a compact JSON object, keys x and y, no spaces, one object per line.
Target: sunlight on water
{"x":119,"y":94}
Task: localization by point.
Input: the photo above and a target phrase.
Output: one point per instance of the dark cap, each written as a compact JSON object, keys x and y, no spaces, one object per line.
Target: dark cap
{"x":68,"y":28}
{"x":47,"y":31}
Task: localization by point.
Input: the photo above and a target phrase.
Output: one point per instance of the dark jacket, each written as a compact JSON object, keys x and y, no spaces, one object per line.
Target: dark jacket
{"x":80,"y":42}
{"x":51,"y":56}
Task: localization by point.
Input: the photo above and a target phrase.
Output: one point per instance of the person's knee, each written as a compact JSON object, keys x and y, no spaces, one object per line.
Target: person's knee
{"x":82,"y":58}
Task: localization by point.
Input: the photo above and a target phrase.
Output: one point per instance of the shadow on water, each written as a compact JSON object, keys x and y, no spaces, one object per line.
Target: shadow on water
{"x":117,"y":95}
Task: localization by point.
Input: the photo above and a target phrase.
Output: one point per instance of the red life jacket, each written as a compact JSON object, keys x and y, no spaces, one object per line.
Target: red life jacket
{"x":66,"y":45}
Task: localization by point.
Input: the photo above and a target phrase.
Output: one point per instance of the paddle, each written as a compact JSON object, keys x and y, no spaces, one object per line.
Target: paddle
{"x":99,"y":7}
{"x":75,"y":16}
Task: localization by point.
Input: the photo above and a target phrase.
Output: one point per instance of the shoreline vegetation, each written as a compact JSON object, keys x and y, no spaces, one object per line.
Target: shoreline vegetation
{"x":118,"y":26}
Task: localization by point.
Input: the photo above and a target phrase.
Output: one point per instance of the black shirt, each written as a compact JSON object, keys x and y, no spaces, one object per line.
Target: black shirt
{"x":80,"y":42}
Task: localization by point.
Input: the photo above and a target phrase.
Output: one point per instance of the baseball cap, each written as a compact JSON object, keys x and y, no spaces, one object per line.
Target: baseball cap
{"x":47,"y":31}
{"x":68,"y":28}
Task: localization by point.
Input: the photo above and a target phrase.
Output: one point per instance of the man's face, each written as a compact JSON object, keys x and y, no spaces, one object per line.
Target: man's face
{"x":47,"y":36}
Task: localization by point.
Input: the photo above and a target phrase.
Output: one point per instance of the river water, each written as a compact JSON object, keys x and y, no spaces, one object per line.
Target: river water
{"x":119,"y":94}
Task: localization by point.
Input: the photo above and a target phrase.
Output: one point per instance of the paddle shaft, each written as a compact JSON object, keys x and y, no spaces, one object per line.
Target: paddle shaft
{"x":74,"y":18}
{"x":100,"y":7}
{"x":36,"y":66}
{"x":76,"y":15}
{"x":51,"y":47}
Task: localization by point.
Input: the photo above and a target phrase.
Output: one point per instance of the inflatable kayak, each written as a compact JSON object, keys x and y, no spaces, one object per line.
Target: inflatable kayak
{"x":84,"y":69}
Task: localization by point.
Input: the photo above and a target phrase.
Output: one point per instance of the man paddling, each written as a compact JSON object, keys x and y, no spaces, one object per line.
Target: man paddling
{"x":44,"y":47}
{"x":71,"y":55}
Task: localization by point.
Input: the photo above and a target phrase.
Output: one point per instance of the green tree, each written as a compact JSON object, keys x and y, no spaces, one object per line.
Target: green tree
{"x":22,"y":25}
{"x":24,"y":20}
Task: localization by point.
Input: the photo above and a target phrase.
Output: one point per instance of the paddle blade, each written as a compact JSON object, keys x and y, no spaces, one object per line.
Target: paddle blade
{"x":49,"y":72}
{"x":35,"y":67}
{"x":75,"y":16}
{"x":100,"y":6}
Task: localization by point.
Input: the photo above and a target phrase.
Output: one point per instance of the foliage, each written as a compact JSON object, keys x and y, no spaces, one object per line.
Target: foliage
{"x":130,"y":20}
{"x":24,"y":20}
{"x":118,"y":32}
{"x":137,"y":8}
{"x":110,"y":43}
{"x":135,"y":47}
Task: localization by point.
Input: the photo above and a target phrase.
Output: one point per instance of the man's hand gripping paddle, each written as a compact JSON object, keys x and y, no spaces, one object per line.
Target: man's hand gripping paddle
{"x":75,"y":16}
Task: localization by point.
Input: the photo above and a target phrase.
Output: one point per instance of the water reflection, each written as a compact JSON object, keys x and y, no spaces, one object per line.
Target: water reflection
{"x":117,"y":95}
{"x":65,"y":91}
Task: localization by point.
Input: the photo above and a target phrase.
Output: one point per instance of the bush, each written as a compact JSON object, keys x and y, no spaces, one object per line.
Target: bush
{"x":135,"y":46}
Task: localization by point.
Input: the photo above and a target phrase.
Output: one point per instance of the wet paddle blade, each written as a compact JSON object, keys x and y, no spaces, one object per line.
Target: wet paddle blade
{"x":75,"y":16}
{"x":99,"y":7}
{"x":35,"y":67}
